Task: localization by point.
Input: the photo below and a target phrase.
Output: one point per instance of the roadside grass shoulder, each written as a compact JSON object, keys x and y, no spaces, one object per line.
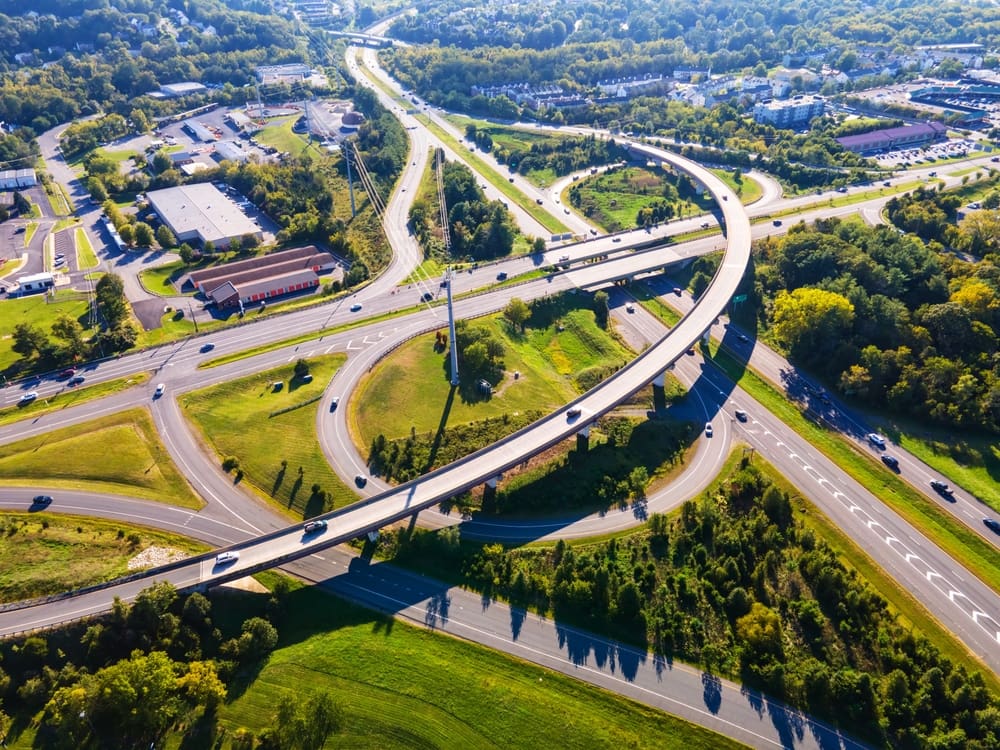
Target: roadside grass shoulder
{"x":120,"y":454}
{"x":42,"y":554}
{"x":968,"y":548}
{"x":747,"y":188}
{"x":387,"y":676}
{"x":29,"y":232}
{"x":971,"y":461}
{"x":273,"y":434}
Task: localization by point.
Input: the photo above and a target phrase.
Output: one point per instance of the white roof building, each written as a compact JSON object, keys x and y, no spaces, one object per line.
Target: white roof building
{"x":201,"y":213}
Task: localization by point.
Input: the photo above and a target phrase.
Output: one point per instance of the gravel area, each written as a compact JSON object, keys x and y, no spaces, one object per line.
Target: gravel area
{"x":151,"y":557}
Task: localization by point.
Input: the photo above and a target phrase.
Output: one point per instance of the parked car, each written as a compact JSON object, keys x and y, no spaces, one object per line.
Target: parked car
{"x":313,"y":527}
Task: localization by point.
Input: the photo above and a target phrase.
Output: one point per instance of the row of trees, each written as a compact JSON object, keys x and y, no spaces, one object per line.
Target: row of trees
{"x":894,"y":321}
{"x":735,"y":583}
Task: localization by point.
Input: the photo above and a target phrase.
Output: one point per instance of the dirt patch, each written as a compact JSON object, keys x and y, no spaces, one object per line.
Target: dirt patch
{"x":153,"y":557}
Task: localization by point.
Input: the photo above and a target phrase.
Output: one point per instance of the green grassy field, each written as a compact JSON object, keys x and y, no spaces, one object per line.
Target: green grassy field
{"x":747,"y":188}
{"x":404,"y":687}
{"x":47,"y":553}
{"x":38,"y":311}
{"x":160,"y":280}
{"x":70,"y":397}
{"x":85,"y":255}
{"x":410,"y":388}
{"x":280,"y":135}
{"x":239,"y":418}
{"x":613,"y":199}
{"x":77,"y":457}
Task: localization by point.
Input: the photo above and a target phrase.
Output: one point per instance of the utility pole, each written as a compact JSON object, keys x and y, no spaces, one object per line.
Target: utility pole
{"x":346,"y":150}
{"x":451,"y":330}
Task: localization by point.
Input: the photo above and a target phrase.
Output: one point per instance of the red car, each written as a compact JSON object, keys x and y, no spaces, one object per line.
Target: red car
{"x":67,"y":373}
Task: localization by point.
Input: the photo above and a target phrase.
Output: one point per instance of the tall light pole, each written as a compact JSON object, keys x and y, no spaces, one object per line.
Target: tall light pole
{"x":451,"y":331}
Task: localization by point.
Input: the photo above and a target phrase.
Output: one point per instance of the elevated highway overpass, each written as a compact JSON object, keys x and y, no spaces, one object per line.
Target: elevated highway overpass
{"x":405,"y":500}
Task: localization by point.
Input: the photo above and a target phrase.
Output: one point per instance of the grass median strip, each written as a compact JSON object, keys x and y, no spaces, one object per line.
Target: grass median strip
{"x":70,"y":397}
{"x":79,"y":457}
{"x":969,"y":549}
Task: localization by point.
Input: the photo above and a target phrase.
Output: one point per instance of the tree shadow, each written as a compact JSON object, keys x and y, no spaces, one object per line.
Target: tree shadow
{"x":439,"y":434}
{"x":295,"y":489}
{"x":278,"y":480}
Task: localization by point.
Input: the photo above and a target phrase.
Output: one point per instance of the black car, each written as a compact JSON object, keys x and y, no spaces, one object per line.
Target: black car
{"x":992,"y":524}
{"x":41,"y":499}
{"x":940,"y":487}
{"x":890,"y":461}
{"x":427,"y":297}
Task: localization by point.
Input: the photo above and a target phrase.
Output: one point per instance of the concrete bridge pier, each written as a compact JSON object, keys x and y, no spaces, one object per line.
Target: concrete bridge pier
{"x":659,"y":395}
{"x":490,"y":491}
{"x":583,"y":439}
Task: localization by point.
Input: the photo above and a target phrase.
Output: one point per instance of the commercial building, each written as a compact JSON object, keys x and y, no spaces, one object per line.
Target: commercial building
{"x":185,"y":88}
{"x":791,"y":113}
{"x":37,"y":282}
{"x":231,"y":151}
{"x":198,"y":131}
{"x":887,"y":139}
{"x":200,"y":213}
{"x":262,"y":278}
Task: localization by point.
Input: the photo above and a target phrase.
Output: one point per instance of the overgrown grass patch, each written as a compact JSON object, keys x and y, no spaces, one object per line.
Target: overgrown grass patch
{"x":272,"y":433}
{"x":48,"y":553}
{"x":165,"y":280}
{"x":120,"y":454}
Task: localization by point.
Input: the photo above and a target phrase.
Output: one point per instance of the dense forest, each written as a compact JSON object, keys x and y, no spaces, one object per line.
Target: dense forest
{"x":892,"y":319}
{"x":734,"y":582}
{"x":724,"y":36}
{"x":101,"y":59}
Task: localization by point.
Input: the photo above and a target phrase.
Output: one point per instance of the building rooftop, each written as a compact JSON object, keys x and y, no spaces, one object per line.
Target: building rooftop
{"x":203,"y":209}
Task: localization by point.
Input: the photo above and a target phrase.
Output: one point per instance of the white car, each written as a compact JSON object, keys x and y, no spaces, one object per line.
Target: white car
{"x":708,"y":429}
{"x":875,"y":439}
{"x":160,"y":388}
{"x":225,"y":558}
{"x":29,"y":396}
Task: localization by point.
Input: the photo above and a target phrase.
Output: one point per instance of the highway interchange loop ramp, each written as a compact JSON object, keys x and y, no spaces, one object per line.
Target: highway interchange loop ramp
{"x":407,"y":499}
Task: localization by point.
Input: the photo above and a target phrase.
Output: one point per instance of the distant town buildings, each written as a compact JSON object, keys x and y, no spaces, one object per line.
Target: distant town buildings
{"x":791,"y":113}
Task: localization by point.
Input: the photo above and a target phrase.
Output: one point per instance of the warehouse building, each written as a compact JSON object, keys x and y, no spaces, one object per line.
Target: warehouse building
{"x":905,"y":136}
{"x":12,"y":179}
{"x":262,"y":278}
{"x":198,"y":131}
{"x":200,"y":213}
